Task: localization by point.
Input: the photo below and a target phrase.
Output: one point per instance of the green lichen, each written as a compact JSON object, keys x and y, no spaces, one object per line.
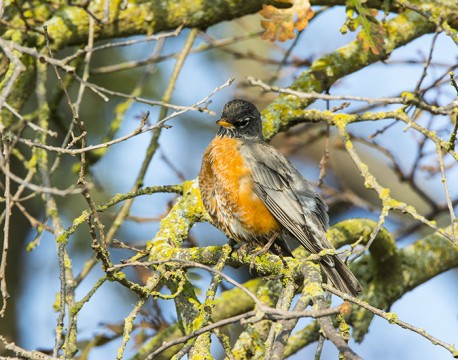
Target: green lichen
{"x":313,"y":289}
{"x":385,"y":194}
{"x":67,"y":262}
{"x":408,"y":96}
{"x":344,"y":328}
{"x":62,"y":239}
{"x":348,"y":231}
{"x":393,"y":204}
{"x":52,"y":212}
{"x":391,"y":317}
{"x":175,"y":226}
{"x":325,"y":71}
{"x":281,"y":114}
{"x":341,"y":121}
{"x":22,"y":88}
{"x":117,"y":276}
{"x":32,"y":163}
{"x":56,"y":303}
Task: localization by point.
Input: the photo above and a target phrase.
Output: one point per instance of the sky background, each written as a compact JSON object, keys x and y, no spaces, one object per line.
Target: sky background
{"x":432,"y":306}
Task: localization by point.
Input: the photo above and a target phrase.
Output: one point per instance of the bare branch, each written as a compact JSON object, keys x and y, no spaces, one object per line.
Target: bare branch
{"x":17,"y":67}
{"x":140,"y":130}
{"x":6,"y":235}
{"x":392,"y":319}
{"x":405,"y":99}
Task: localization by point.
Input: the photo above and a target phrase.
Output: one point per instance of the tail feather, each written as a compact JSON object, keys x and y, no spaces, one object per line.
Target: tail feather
{"x":337,"y":272}
{"x":341,"y":277}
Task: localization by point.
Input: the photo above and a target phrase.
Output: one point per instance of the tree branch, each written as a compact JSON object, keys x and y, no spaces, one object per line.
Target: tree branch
{"x":286,"y":111}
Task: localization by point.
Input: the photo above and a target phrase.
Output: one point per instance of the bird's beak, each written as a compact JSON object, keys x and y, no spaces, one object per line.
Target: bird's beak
{"x":224,"y":123}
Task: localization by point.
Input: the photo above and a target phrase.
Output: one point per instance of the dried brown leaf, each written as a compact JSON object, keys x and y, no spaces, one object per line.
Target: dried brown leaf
{"x":372,"y":34}
{"x":280,"y":23}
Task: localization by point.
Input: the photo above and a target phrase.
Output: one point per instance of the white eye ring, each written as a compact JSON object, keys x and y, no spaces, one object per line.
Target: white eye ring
{"x":244,"y":122}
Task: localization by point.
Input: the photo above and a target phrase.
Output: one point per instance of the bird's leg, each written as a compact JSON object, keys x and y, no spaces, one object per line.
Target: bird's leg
{"x":267,"y":246}
{"x":243,"y":249}
{"x":236,"y":247}
{"x":264,"y":249}
{"x":279,"y":250}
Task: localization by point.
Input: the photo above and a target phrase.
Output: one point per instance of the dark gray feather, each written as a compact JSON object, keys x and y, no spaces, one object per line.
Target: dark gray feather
{"x":288,"y":196}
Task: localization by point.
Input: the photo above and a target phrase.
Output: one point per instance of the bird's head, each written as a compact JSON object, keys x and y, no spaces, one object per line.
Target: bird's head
{"x":240,"y":119}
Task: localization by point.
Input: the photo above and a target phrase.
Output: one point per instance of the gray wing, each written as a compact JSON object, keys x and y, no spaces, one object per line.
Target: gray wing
{"x":288,"y":196}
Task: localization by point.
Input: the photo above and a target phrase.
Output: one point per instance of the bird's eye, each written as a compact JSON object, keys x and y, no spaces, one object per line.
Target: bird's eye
{"x":244,"y":122}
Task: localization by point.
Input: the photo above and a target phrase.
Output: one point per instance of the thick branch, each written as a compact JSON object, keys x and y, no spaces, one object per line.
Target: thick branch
{"x":145,"y":17}
{"x":286,"y":110}
{"x":382,"y":287}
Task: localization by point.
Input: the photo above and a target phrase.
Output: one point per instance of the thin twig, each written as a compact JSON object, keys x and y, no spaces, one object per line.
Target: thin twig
{"x":29,"y":123}
{"x":156,"y":59}
{"x":391,"y":318}
{"x":383,"y":193}
{"x":330,"y":332}
{"x":5,"y":44}
{"x":99,"y":90}
{"x":406,"y":100}
{"x":287,"y":326}
{"x":194,"y":265}
{"x":381,"y":221}
{"x":154,"y":142}
{"x":6,"y":235}
{"x":203,"y":330}
{"x":208,"y":304}
{"x":83,"y":163}
{"x":448,"y":197}
{"x":427,"y":62}
{"x":276,"y":329}
{"x":31,"y":355}
{"x":319,"y":347}
{"x":288,"y":52}
{"x":17,"y":66}
{"x":66,"y":278}
{"x":139,"y":130}
{"x":129,"y":320}
{"x":250,"y":314}
{"x":37,"y":188}
{"x":325,"y":156}
{"x":111,"y":45}
{"x":277,"y":314}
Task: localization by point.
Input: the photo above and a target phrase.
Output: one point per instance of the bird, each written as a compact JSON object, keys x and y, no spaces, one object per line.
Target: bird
{"x":256,"y":196}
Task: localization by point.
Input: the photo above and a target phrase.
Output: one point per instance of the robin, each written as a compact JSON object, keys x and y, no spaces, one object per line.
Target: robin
{"x":254,"y":194}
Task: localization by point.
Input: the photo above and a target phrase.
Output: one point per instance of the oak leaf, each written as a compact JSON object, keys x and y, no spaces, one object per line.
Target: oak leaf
{"x":372,"y":34}
{"x":280,"y":23}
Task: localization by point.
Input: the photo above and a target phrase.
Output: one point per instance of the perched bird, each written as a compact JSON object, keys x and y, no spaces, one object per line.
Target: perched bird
{"x":255,"y":196}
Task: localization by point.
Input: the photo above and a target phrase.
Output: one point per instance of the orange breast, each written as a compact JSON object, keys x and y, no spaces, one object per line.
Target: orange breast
{"x":227,"y":192}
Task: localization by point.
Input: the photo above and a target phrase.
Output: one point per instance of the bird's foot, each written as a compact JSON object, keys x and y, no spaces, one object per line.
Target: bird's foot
{"x":243,"y":250}
{"x":253,"y":259}
{"x":259,"y":253}
{"x":264,"y":249}
{"x":279,"y":251}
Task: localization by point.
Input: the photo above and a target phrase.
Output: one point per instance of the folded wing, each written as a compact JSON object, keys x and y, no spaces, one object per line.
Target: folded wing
{"x":299,"y":209}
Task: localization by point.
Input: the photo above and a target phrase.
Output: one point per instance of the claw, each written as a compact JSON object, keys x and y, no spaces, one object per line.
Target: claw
{"x":264,"y":250}
{"x":253,"y":258}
